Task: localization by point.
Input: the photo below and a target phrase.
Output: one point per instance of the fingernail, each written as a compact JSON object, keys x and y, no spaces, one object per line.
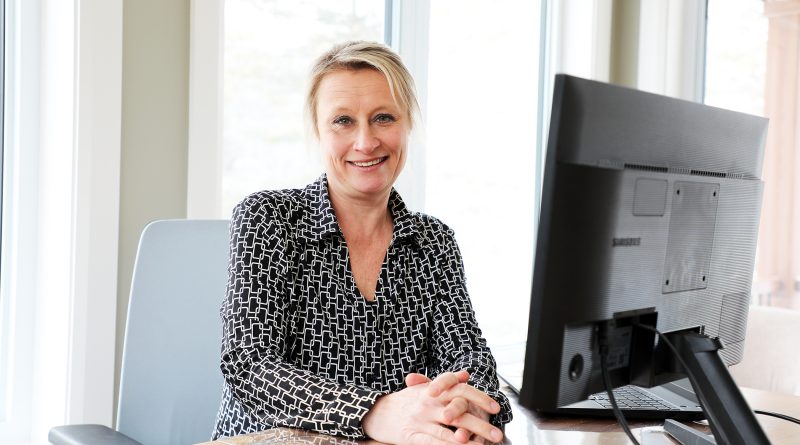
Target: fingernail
{"x":496,"y":435}
{"x":495,"y":406}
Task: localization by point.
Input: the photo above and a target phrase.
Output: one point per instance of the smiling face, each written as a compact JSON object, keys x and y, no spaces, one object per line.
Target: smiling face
{"x":362,"y":132}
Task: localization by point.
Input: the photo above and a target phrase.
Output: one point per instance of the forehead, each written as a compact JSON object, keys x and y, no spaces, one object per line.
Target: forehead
{"x":349,"y":88}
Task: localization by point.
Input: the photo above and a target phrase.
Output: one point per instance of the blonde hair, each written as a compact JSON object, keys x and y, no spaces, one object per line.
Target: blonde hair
{"x":357,"y":55}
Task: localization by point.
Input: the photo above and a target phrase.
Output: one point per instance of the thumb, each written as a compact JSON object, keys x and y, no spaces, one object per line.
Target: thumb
{"x":463,"y":376}
{"x":416,"y":379}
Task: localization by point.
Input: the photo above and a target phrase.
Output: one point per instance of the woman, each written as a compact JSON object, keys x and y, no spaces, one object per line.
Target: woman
{"x":341,"y":304}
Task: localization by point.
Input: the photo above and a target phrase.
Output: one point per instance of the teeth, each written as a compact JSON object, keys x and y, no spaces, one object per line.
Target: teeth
{"x":368,"y":164}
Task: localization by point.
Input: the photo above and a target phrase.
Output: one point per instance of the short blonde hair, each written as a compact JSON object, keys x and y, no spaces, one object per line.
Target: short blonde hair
{"x":356,"y":55}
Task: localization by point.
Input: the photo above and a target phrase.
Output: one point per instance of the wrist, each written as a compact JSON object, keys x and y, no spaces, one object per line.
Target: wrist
{"x":369,"y":423}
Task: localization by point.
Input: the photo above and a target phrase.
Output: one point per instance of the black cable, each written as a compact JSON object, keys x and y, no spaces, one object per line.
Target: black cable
{"x":778,"y":415}
{"x":609,"y":389}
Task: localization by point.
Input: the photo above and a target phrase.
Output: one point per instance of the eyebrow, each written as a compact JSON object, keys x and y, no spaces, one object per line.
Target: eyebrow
{"x":349,"y":111}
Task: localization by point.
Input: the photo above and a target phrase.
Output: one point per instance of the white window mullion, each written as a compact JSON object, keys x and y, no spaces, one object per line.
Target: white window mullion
{"x":20,"y":179}
{"x":95,"y":211}
{"x":672,"y":48}
{"x":55,"y":223}
{"x":580,"y":41}
{"x":409,"y":37}
{"x":204,"y":172}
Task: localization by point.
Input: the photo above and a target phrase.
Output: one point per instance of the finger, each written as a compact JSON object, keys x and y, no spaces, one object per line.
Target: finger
{"x":424,"y":439}
{"x":462,"y":435}
{"x":438,"y":431}
{"x":472,"y":395}
{"x":454,"y":410}
{"x":442,"y":383}
{"x":416,"y":379}
{"x":479,"y":427}
{"x":473,"y":439}
{"x":433,"y":434}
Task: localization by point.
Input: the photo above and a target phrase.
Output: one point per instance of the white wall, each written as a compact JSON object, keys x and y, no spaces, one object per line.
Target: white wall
{"x":155,"y":88}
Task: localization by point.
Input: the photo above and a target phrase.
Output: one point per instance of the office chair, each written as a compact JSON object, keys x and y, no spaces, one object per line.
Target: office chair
{"x":771,"y":359}
{"x":171,"y":384}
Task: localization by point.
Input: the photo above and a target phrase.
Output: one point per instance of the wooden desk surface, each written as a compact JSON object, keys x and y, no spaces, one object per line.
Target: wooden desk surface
{"x":529,"y":428}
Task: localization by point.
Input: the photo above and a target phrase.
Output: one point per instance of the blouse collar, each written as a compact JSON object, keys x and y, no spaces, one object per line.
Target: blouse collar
{"x":322,"y":218}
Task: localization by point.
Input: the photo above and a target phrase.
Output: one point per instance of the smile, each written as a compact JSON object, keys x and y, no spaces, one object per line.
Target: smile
{"x":369,"y":163}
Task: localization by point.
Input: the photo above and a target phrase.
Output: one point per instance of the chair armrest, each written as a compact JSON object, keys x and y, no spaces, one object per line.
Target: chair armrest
{"x":88,"y":435}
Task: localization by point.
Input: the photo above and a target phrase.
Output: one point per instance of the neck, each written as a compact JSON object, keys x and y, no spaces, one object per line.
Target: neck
{"x":361,"y":216}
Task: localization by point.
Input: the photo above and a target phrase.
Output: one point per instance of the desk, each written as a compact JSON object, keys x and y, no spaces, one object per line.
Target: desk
{"x":530,"y":428}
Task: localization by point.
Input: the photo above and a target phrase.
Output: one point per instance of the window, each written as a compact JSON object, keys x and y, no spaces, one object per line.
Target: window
{"x":736,"y":55}
{"x":752,"y":67}
{"x":269,"y":48}
{"x":4,"y":307}
{"x":60,"y":201}
{"x":480,"y":91}
{"x":483,"y":102}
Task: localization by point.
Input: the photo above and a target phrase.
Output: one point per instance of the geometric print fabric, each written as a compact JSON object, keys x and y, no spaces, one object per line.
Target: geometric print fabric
{"x":302,"y":348}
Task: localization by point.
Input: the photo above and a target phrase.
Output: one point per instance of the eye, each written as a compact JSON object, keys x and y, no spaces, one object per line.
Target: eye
{"x":384,"y":118}
{"x":342,"y":121}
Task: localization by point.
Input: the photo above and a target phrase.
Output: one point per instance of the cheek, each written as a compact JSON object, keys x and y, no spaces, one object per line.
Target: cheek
{"x":395,"y":139}
{"x":331,"y":146}
{"x":400,"y":142}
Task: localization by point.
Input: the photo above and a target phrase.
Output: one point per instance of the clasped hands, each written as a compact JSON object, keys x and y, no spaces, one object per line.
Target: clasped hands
{"x":422,"y":413}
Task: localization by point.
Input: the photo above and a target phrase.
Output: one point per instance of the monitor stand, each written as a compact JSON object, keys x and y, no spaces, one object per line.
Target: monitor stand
{"x":731,"y":419}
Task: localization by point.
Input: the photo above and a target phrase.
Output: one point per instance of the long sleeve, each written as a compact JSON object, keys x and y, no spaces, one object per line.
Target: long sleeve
{"x":457,"y":340}
{"x":256,"y":317}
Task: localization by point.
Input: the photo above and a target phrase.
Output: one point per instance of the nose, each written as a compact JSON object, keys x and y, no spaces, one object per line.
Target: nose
{"x":366,"y":141}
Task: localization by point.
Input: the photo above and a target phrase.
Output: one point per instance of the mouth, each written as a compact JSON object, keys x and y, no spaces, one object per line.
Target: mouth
{"x":369,"y":162}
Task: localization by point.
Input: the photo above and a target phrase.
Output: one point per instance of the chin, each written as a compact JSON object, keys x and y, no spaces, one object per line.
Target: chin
{"x":370,"y":187}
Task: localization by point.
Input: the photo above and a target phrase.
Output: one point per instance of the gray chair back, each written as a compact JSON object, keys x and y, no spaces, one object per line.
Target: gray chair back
{"x":171,"y":383}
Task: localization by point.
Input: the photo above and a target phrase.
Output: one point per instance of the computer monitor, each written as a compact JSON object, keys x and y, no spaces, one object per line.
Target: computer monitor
{"x":649,"y":218}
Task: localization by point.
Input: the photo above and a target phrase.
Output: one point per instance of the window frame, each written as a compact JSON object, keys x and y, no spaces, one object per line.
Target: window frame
{"x":206,"y":86}
{"x":407,"y":33}
{"x":62,"y":103}
{"x":16,"y":362}
{"x":4,"y":316}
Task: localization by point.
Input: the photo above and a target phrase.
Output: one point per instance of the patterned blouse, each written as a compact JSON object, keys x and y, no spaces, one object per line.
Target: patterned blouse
{"x":302,"y":348}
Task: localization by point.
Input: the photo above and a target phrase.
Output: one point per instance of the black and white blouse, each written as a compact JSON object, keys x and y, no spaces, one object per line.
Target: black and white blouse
{"x":302,"y":348}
